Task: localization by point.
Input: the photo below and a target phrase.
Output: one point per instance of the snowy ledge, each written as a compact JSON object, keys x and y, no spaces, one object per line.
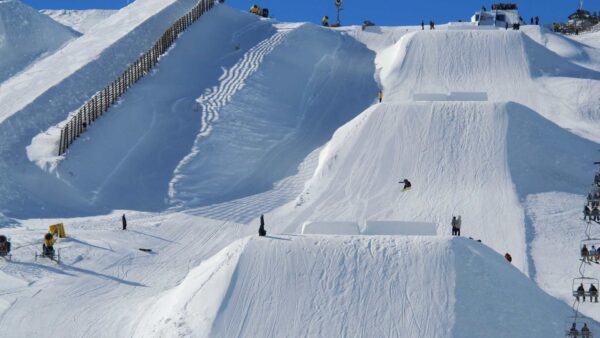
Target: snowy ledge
{"x":43,"y":150}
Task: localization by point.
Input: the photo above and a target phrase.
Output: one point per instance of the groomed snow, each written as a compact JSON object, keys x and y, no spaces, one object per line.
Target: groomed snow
{"x":324,"y":286}
{"x":80,"y":20}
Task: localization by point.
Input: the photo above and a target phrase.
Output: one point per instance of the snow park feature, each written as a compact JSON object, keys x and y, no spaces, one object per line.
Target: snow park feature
{"x":312,"y":136}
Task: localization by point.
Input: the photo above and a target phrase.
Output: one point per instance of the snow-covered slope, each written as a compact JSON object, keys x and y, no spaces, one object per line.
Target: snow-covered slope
{"x":80,"y":20}
{"x":326,"y":286}
{"x":26,"y":35}
{"x":48,"y":91}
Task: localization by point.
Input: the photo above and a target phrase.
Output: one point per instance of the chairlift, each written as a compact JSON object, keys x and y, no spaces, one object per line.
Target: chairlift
{"x":587,"y":282}
{"x":590,"y":243}
{"x":575,"y":331}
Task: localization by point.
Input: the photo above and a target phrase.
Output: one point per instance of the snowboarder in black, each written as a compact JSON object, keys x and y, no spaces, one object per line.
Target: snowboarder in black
{"x":124,"y":222}
{"x":431,"y":25}
{"x":407,"y":184}
{"x":261,"y":230}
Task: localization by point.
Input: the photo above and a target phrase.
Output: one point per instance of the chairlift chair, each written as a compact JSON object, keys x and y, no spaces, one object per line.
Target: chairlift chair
{"x":579,"y":322}
{"x":589,"y":243}
{"x":587,"y":282}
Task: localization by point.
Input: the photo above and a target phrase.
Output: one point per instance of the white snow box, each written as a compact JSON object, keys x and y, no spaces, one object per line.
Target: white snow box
{"x":400,"y":228}
{"x":452,"y":96}
{"x":330,"y":228}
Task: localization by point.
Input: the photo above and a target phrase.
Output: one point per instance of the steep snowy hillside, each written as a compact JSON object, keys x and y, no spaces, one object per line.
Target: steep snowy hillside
{"x":47,"y":92}
{"x":26,"y":35}
{"x":80,"y":20}
{"x":326,"y":286}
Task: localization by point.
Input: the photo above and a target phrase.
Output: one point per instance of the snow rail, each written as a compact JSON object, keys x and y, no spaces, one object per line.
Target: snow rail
{"x":102,"y":100}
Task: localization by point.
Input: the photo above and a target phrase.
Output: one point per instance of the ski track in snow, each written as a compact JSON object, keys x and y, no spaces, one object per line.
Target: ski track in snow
{"x":232,"y":81}
{"x":246,"y":209}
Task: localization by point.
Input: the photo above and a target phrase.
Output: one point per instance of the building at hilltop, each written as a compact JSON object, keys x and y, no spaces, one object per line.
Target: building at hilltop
{"x":499,"y":15}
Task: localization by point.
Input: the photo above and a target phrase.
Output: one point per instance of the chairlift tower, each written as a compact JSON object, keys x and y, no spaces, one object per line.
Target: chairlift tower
{"x":338,"y":8}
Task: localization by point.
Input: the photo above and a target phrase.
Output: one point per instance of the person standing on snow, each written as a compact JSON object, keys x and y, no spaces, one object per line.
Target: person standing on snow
{"x":537,"y":20}
{"x":431,"y":25}
{"x":325,"y":21}
{"x":454,"y":228}
{"x":422,"y":25}
{"x":458,"y":224}
{"x":261,"y":230}
{"x":124,"y":222}
{"x":380,"y":96}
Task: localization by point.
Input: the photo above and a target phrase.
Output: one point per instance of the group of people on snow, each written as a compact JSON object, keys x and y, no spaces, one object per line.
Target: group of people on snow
{"x":592,"y":292}
{"x":535,"y":20}
{"x":431,"y":25}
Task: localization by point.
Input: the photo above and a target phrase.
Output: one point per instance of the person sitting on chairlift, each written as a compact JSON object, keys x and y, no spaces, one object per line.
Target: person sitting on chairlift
{"x":587,"y":213}
{"x":580,"y":292}
{"x":585,"y":331}
{"x":593,"y":293}
{"x":593,"y":254}
{"x":573,"y":331}
{"x":585,"y":253}
{"x":595,"y":214}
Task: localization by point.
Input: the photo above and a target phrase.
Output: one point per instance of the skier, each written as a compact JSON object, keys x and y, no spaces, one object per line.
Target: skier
{"x":454,"y":229}
{"x":422,"y":25}
{"x":48,"y":246}
{"x":380,"y":96}
{"x":261,"y":230}
{"x":585,"y":331}
{"x":537,"y":20}
{"x":325,"y":21}
{"x":580,"y":292}
{"x":4,"y":246}
{"x":124,"y":222}
{"x":593,"y":293}
{"x":407,"y":185}
{"x":587,"y":213}
{"x":431,"y":25}
{"x":585,"y":252}
{"x":508,"y":257}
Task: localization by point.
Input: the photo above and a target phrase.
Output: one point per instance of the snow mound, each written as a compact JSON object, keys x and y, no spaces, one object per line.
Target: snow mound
{"x":297,"y":286}
{"x":26,"y":35}
{"x":80,"y":20}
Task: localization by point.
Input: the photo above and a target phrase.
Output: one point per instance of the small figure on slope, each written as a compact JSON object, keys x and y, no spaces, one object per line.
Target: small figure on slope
{"x":508,"y":257}
{"x":261,"y":230}
{"x":325,"y":21}
{"x":124,"y":222}
{"x":407,"y":184}
{"x":455,"y":226}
